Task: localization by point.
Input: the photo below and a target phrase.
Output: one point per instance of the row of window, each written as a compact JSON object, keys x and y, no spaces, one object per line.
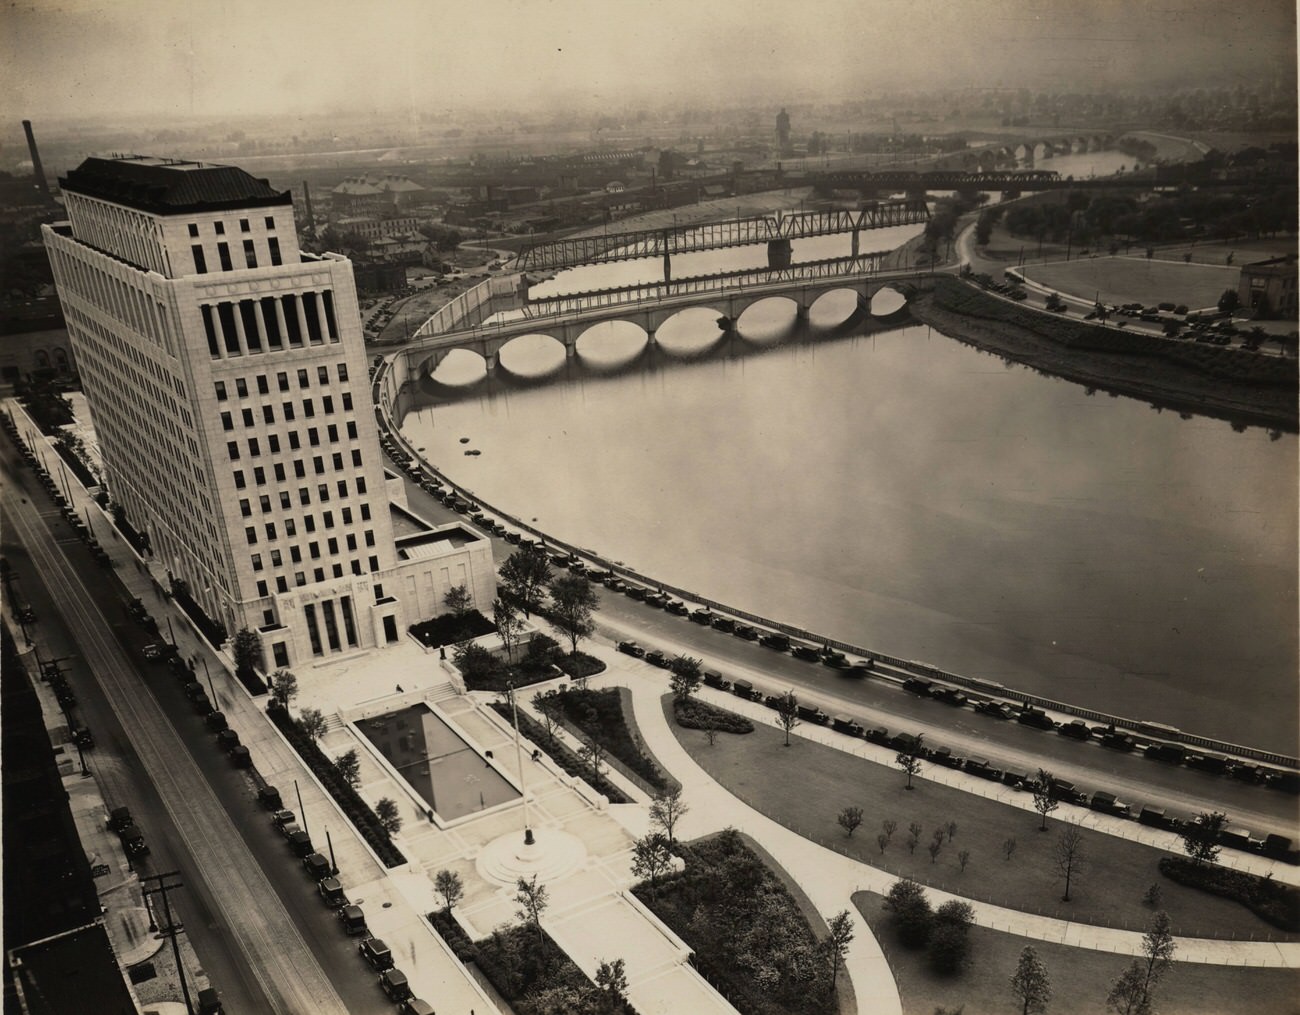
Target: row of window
{"x":127,"y":303}
{"x":295,"y":552}
{"x":282,"y":382}
{"x":289,"y":413}
{"x":300,"y":470}
{"x":223,"y":254}
{"x":122,"y":232}
{"x":273,"y":440}
{"x":318,"y":575}
{"x":270,"y":323}
{"x":304,"y":497}
{"x":220,"y":227}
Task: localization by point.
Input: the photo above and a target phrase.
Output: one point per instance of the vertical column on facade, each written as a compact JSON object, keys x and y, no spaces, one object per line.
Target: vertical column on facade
{"x":239,"y":328}
{"x":349,"y":620}
{"x":303,"y":331}
{"x":321,"y":319}
{"x":261,"y":325}
{"x":280,"y":321}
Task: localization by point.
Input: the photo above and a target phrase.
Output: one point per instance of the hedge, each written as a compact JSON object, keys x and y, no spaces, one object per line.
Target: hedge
{"x":1270,"y":900}
{"x":447,"y":629}
{"x":579,"y":665}
{"x":609,"y":726}
{"x":354,"y":808}
{"x":562,"y":755}
{"x":700,"y":715}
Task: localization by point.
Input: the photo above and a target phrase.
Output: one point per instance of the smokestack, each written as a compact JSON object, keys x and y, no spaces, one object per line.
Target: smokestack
{"x":306,"y":194}
{"x":36,"y":159}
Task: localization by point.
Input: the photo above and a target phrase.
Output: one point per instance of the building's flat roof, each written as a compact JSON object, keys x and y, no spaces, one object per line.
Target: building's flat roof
{"x":436,"y":543}
{"x":170,"y":186}
{"x":59,"y":974}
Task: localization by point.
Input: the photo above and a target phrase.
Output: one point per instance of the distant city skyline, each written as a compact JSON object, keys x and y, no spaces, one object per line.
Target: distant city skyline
{"x":77,"y":59}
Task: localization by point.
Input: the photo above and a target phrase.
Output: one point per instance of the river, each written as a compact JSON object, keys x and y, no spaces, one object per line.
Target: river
{"x":908,"y":493}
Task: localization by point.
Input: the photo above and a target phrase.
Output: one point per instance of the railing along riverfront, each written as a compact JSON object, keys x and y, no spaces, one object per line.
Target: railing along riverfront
{"x":907,"y":666}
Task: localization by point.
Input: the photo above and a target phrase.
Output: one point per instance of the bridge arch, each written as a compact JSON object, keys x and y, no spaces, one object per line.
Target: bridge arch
{"x":692,"y":332}
{"x":833,"y":308}
{"x":770,"y":318}
{"x":609,"y":345}
{"x":533,"y":356}
{"x":456,"y":368}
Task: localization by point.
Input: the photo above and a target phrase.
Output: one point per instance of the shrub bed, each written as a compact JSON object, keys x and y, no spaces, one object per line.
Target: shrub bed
{"x":579,"y":665}
{"x":485,"y":670}
{"x":354,"y":808}
{"x":700,"y":715}
{"x":454,"y":934}
{"x":600,"y":714}
{"x":1270,"y":900}
{"x":448,"y":629}
{"x":252,"y":681}
{"x":562,"y":755}
{"x":213,"y":631}
{"x":749,"y":938}
{"x":78,"y":467}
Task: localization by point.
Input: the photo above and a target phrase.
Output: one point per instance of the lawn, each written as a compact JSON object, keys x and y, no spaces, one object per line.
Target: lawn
{"x":805,"y":786}
{"x":1080,"y":978}
{"x":1134,"y":279}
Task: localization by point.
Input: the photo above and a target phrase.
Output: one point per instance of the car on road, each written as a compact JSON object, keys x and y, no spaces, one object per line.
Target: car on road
{"x":119,"y":818}
{"x":154,"y":651}
{"x":657,"y":658}
{"x":805,"y":652}
{"x":299,"y":842}
{"x":416,"y":1006}
{"x":133,"y":841}
{"x":393,"y":982}
{"x":331,"y":892}
{"x":269,"y":797}
{"x":724,"y":624}
{"x":375,"y":952}
{"x":677,"y":608}
{"x":632,"y":649}
{"x":746,"y":632}
{"x":241,"y":757}
{"x":216,"y":721}
{"x":996,"y":709}
{"x":227,"y":740}
{"x":1036,"y":718}
{"x":861,"y":668}
{"x":210,"y":1002}
{"x":1076,"y":729}
{"x":317,"y":866}
{"x":282,"y":819}
{"x":835,"y":660}
{"x":353,"y":919}
{"x":702,"y":616}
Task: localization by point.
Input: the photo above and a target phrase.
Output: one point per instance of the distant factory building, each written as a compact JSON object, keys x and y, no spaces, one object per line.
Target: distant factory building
{"x":374,"y":193}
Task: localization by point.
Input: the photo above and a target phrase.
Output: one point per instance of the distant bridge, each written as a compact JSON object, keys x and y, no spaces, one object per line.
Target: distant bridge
{"x":775,"y":230}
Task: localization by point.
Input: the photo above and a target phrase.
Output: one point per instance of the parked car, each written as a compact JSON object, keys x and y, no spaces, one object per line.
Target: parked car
{"x":210,"y":1002}
{"x":657,"y":658}
{"x":996,"y":709}
{"x":631,"y":648}
{"x":216,"y":721}
{"x":805,"y":652}
{"x":918,"y":685}
{"x":331,"y":892}
{"x":746,"y":632}
{"x":393,"y":982}
{"x":776,"y":641}
{"x":353,"y":920}
{"x":317,"y":866}
{"x":376,"y":953}
{"x":269,"y":797}
{"x":416,"y":1006}
{"x":702,"y":616}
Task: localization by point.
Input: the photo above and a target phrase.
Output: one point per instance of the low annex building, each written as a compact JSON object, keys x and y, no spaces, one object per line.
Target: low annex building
{"x":226,"y":374}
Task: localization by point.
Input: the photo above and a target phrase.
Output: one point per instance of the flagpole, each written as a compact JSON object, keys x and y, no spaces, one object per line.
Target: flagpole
{"x":519,"y":762}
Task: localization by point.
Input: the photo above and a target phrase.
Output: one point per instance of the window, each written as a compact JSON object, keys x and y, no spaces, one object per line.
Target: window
{"x":313,"y":436}
{"x":220,"y":228}
{"x":243,"y":225}
{"x":281,"y":586}
{"x":337,"y":458}
{"x":347,"y":519}
{"x":303,"y":379}
{"x":274,"y":244}
{"x":347,"y":401}
{"x":200,"y":262}
{"x":327,"y":405}
{"x":293,"y":440}
{"x":264,"y":502}
{"x":338,"y":570}
{"x":285,"y":501}
{"x":299,"y":578}
{"x":194,"y":228}
{"x":257,"y":562}
{"x":298,"y":468}
{"x":318,"y":464}
{"x":323,"y":492}
{"x":276,"y":558}
{"x":261,"y":592}
{"x":288,"y":412}
{"x":254,"y":449}
{"x":332,"y":544}
{"x":290,"y":527}
{"x":361,"y":485}
{"x":227,"y":421}
{"x":282,"y":379}
{"x":279,"y":472}
{"x":318,"y":574}
{"x":262,"y":387}
{"x":232,"y":448}
{"x":370,"y":537}
{"x":223,"y":254}
{"x":270,"y":222}
{"x":356,"y":567}
{"x":365,"y":512}
{"x":374,"y":564}
{"x":270,"y":530}
{"x":245,"y":507}
{"x":250,"y":254}
{"x":295,"y":554}
{"x":352,"y":430}
{"x":248,"y":417}
{"x":268,"y":414}
{"x":221,"y":391}
{"x":351,"y":541}
{"x":313,"y":550}
{"x":304,"y":496}
{"x":239,"y":479}
{"x":328,"y":519}
{"x":356,"y":457}
{"x":273,"y":442}
{"x":343,"y":488}
{"x":308,"y":409}
{"x":309,"y":523}
{"x":343,"y":372}
{"x":250,"y":534}
{"x":241,"y":387}
{"x":259,"y":475}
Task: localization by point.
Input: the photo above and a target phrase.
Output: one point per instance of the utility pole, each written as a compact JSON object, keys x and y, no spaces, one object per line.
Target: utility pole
{"x":170,"y":929}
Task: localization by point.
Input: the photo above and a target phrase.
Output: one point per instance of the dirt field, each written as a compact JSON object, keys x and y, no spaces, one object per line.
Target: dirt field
{"x":1134,"y":279}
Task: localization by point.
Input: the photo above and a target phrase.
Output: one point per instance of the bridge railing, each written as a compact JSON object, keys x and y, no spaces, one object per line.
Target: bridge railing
{"x":907,"y":666}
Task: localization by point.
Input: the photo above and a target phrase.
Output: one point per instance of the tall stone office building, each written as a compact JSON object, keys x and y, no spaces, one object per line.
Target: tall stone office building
{"x":227,"y":377}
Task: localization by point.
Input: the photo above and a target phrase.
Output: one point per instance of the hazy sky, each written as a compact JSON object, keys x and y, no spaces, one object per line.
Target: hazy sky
{"x":170,"y":58}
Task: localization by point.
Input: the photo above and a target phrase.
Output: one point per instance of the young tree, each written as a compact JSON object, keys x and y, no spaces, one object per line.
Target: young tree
{"x":611,"y":978}
{"x":1201,"y":837}
{"x":458,"y":600}
{"x":651,"y":857}
{"x":312,"y":722}
{"x":1153,"y":896}
{"x":935,"y":847}
{"x":840,"y":933}
{"x":889,"y":826}
{"x":525,"y":574}
{"x":667,"y":807}
{"x":246,"y":647}
{"x":1068,"y":857}
{"x":1132,"y":993}
{"x":349,"y":766}
{"x":913,"y":836}
{"x":849,"y":819}
{"x":686,"y":677}
{"x":388,"y":815}
{"x":572,"y":603}
{"x":592,"y":750}
{"x":909,"y":758}
{"x":710,"y":732}
{"x":1030,"y":984}
{"x":508,"y":624}
{"x":787,"y":713}
{"x":532,"y":900}
{"x":1009,"y":847}
{"x":1044,"y":802}
{"x":284,"y":685}
{"x":949,"y":939}
{"x":882,"y":840}
{"x":449,"y":885}
{"x":963,"y":858}
{"x":548,"y":710}
{"x":951,"y":829}
{"x":912,"y":914}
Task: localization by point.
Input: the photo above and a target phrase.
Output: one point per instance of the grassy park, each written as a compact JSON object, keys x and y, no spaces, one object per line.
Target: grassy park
{"x":1079,"y":977}
{"x":805,"y":786}
{"x":1134,"y":279}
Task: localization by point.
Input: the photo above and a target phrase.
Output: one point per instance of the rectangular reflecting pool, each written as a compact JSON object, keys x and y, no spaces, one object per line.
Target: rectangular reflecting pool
{"x":451,"y":776}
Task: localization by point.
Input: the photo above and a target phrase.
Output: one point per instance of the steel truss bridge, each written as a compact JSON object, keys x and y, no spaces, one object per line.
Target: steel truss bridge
{"x":775,"y":230}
